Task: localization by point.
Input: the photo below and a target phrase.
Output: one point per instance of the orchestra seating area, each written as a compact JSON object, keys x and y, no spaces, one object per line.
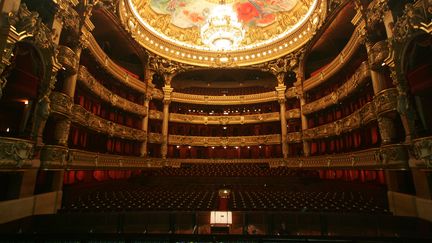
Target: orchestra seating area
{"x":254,"y":187}
{"x":231,"y":170}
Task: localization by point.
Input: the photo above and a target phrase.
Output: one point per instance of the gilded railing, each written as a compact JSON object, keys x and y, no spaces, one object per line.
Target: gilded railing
{"x":292,"y":114}
{"x":356,"y":80}
{"x":96,"y":123}
{"x":337,"y":63}
{"x":54,"y":157}
{"x":422,"y":149}
{"x":114,"y":69}
{"x":224,"y":100}
{"x":291,"y":93}
{"x":155,"y":115}
{"x":385,"y":101}
{"x":83,"y":159}
{"x":105,"y":94}
{"x":294,"y":137}
{"x":224,"y":141}
{"x":157,"y":94}
{"x":16,"y":153}
{"x":154,"y":138}
{"x":67,"y":58}
{"x":224,"y":120}
{"x":61,"y":103}
{"x":390,"y":156}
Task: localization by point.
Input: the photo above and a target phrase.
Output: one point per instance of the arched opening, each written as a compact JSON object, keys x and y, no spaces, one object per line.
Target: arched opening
{"x":419,"y":76}
{"x":21,"y":92}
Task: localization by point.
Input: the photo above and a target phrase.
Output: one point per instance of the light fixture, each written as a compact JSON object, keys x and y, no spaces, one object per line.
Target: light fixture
{"x":222,"y":30}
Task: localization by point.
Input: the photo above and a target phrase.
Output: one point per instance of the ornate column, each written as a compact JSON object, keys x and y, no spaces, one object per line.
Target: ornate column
{"x":376,"y":55}
{"x":166,"y":102}
{"x":149,"y":79}
{"x":280,"y":89}
{"x":8,"y":37}
{"x":62,"y":126}
{"x":144,"y":127}
{"x":304,"y":126}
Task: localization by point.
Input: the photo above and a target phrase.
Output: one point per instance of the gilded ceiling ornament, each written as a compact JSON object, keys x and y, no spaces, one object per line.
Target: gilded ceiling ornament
{"x":174,"y":28}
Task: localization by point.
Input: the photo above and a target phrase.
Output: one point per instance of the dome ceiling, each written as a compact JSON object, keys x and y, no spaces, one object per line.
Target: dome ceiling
{"x":196,"y":32}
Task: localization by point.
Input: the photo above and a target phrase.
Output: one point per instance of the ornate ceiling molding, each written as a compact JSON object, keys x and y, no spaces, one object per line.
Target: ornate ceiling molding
{"x":158,"y":35}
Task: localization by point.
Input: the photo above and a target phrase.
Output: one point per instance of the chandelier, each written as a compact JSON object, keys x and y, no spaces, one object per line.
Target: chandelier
{"x":222,"y":31}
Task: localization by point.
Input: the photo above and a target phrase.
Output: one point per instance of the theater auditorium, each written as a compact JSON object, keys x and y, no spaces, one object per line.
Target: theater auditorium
{"x":216,"y":120}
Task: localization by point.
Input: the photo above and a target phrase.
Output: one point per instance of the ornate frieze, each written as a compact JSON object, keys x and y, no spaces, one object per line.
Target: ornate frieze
{"x":224,"y":120}
{"x":105,"y":94}
{"x":112,"y":68}
{"x":351,"y":85}
{"x":386,"y":101}
{"x":377,"y":55}
{"x":336,"y":64}
{"x":375,"y":12}
{"x":292,"y":114}
{"x":54,"y":157}
{"x":156,"y":115}
{"x":417,"y":16}
{"x":393,"y":155}
{"x":422,"y":149}
{"x":78,"y":159}
{"x":15,"y":153}
{"x":155,"y":138}
{"x":96,"y":123}
{"x":291,"y":93}
{"x":61,"y":104}
{"x":294,"y":137}
{"x":67,"y":58}
{"x":224,"y":100}
{"x":157,"y":94}
{"x":224,"y":141}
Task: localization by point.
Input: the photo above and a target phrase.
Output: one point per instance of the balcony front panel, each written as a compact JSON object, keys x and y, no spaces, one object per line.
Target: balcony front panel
{"x":351,"y":85}
{"x":79,"y":159}
{"x":67,"y":58}
{"x":16,"y":153}
{"x":385,"y":101}
{"x":224,"y":141}
{"x":224,"y":120}
{"x":112,"y":68}
{"x":61,"y":104}
{"x":87,"y":119}
{"x":85,"y":78}
{"x":224,"y":100}
{"x":338,"y":63}
{"x":422,"y":150}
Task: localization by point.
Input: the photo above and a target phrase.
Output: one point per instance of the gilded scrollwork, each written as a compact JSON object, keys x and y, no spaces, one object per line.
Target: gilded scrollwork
{"x":224,"y":141}
{"x":338,"y":62}
{"x":67,"y":58}
{"x":294,"y":137}
{"x":54,"y":157}
{"x":378,"y":54}
{"x":112,"y":68}
{"x":224,"y":100}
{"x":78,"y":159}
{"x":15,"y":153}
{"x":422,"y":150}
{"x":61,"y":104}
{"x":85,"y":118}
{"x":348,"y":87}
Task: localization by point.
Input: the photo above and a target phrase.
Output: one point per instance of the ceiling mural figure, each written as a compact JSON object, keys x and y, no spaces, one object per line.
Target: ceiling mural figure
{"x":252,"y":13}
